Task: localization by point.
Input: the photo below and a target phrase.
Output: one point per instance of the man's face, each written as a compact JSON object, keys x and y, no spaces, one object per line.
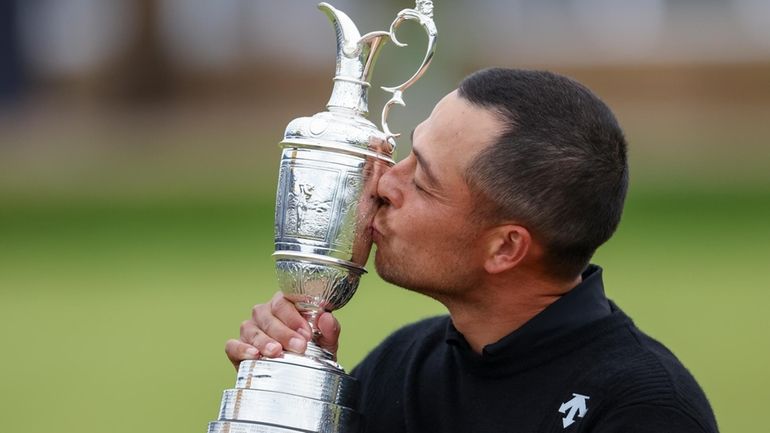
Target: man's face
{"x":427,"y":238}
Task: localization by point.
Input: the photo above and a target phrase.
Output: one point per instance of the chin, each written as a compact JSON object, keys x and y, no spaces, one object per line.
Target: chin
{"x":398,"y":275}
{"x":380,"y":267}
{"x":387,"y":271}
{"x":396,"y":269}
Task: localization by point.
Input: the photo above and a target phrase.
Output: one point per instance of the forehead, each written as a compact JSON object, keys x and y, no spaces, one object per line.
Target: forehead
{"x":455,"y":133}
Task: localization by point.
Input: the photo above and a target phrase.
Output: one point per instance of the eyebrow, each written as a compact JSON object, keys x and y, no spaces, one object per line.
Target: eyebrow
{"x":424,"y":163}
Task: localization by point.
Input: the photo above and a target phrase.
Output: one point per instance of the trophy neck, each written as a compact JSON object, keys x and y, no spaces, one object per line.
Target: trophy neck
{"x":355,"y":61}
{"x":351,"y":81}
{"x":349,"y":95}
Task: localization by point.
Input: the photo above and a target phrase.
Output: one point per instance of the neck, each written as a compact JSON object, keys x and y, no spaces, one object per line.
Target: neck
{"x":486,"y":314}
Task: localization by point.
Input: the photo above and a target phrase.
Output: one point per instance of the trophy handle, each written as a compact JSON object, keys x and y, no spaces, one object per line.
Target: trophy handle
{"x":423,"y":15}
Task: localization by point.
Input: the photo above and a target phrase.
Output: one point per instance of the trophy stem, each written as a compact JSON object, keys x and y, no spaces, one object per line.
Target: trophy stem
{"x":313,"y":349}
{"x":311,"y":315}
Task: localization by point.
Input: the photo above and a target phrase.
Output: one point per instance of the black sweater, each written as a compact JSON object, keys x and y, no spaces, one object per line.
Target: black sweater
{"x":579,"y":366}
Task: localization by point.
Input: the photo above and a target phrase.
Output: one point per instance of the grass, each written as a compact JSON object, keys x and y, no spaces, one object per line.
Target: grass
{"x":113,"y":316}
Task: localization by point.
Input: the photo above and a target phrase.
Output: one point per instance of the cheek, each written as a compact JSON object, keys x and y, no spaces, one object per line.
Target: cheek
{"x":432,"y":228}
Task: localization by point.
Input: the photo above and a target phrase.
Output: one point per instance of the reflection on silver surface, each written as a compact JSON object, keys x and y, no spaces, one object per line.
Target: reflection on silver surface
{"x":316,"y":285}
{"x":247,"y":427}
{"x":325,"y":202}
{"x":289,"y":393}
{"x":324,"y":385}
{"x":287,"y":410}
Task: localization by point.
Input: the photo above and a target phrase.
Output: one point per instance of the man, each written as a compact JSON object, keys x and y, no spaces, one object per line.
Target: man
{"x":513,"y":182}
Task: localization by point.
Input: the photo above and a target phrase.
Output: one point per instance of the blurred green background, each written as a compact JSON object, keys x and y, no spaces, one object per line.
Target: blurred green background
{"x":137,"y":189}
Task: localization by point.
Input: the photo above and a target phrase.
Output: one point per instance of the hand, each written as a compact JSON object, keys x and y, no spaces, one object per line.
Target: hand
{"x":277,"y":325}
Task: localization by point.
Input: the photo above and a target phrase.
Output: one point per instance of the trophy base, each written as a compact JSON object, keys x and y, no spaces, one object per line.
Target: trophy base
{"x":290,"y":393}
{"x":247,"y":427}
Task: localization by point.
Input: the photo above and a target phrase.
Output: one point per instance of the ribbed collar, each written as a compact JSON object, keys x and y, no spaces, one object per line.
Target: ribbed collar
{"x":584,"y":304}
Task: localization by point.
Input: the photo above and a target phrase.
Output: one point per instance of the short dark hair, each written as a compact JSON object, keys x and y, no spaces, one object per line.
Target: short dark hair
{"x":559,"y":165}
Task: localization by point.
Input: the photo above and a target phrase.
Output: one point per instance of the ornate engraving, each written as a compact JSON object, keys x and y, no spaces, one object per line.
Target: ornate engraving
{"x":313,"y":286}
{"x":310,"y":193}
{"x":348,"y":229}
{"x":289,"y":275}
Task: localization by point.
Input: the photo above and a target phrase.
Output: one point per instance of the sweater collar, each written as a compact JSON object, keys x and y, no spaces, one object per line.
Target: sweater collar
{"x":584,"y":304}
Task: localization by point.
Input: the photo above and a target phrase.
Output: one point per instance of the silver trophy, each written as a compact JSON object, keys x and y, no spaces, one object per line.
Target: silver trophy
{"x":326,"y":200}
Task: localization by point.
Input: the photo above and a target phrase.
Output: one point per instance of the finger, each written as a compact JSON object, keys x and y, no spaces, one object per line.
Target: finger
{"x":286,"y":312}
{"x":238,"y":351}
{"x":249,"y":330}
{"x":253,"y":336}
{"x":330,"y":332}
{"x":377,"y":143}
{"x":271,"y":329}
{"x":270,"y":347}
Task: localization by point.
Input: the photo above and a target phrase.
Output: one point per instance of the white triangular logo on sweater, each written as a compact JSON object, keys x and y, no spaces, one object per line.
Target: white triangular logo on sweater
{"x":576,"y":406}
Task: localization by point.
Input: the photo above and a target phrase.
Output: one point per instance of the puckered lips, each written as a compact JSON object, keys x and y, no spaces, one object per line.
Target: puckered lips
{"x":376,"y":228}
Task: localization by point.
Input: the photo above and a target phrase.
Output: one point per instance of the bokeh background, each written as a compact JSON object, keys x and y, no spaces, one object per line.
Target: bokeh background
{"x":138,"y":157}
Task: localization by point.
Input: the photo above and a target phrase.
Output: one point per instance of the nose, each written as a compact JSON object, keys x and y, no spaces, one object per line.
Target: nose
{"x":389,"y":187}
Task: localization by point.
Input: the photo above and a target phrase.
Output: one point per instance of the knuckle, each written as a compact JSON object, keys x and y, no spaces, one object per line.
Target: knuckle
{"x":259,"y":340}
{"x":278,"y":303}
{"x":256,"y":342}
{"x":247,"y":329}
{"x":245,"y":326}
{"x":257,"y":310}
{"x":270,"y":327}
{"x":230,"y":348}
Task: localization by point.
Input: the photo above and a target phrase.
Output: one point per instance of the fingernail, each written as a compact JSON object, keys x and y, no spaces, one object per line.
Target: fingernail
{"x":252,"y":352}
{"x":296,"y":345}
{"x":305,"y":333}
{"x":272,"y":348}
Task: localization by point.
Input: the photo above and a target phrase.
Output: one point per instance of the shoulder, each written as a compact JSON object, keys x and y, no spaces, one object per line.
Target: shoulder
{"x":652,"y":418}
{"x":644,"y":383}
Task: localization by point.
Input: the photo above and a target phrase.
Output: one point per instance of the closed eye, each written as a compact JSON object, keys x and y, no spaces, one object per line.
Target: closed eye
{"x":419,"y":188}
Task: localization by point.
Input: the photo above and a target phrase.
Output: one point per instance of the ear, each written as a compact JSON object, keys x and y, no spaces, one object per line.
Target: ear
{"x":507,"y":246}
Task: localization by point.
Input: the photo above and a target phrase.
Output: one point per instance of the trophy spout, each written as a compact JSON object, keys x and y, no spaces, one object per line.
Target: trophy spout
{"x":347,"y":32}
{"x":356,"y":55}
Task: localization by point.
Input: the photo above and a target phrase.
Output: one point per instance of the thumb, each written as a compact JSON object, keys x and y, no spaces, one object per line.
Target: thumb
{"x":330,"y":332}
